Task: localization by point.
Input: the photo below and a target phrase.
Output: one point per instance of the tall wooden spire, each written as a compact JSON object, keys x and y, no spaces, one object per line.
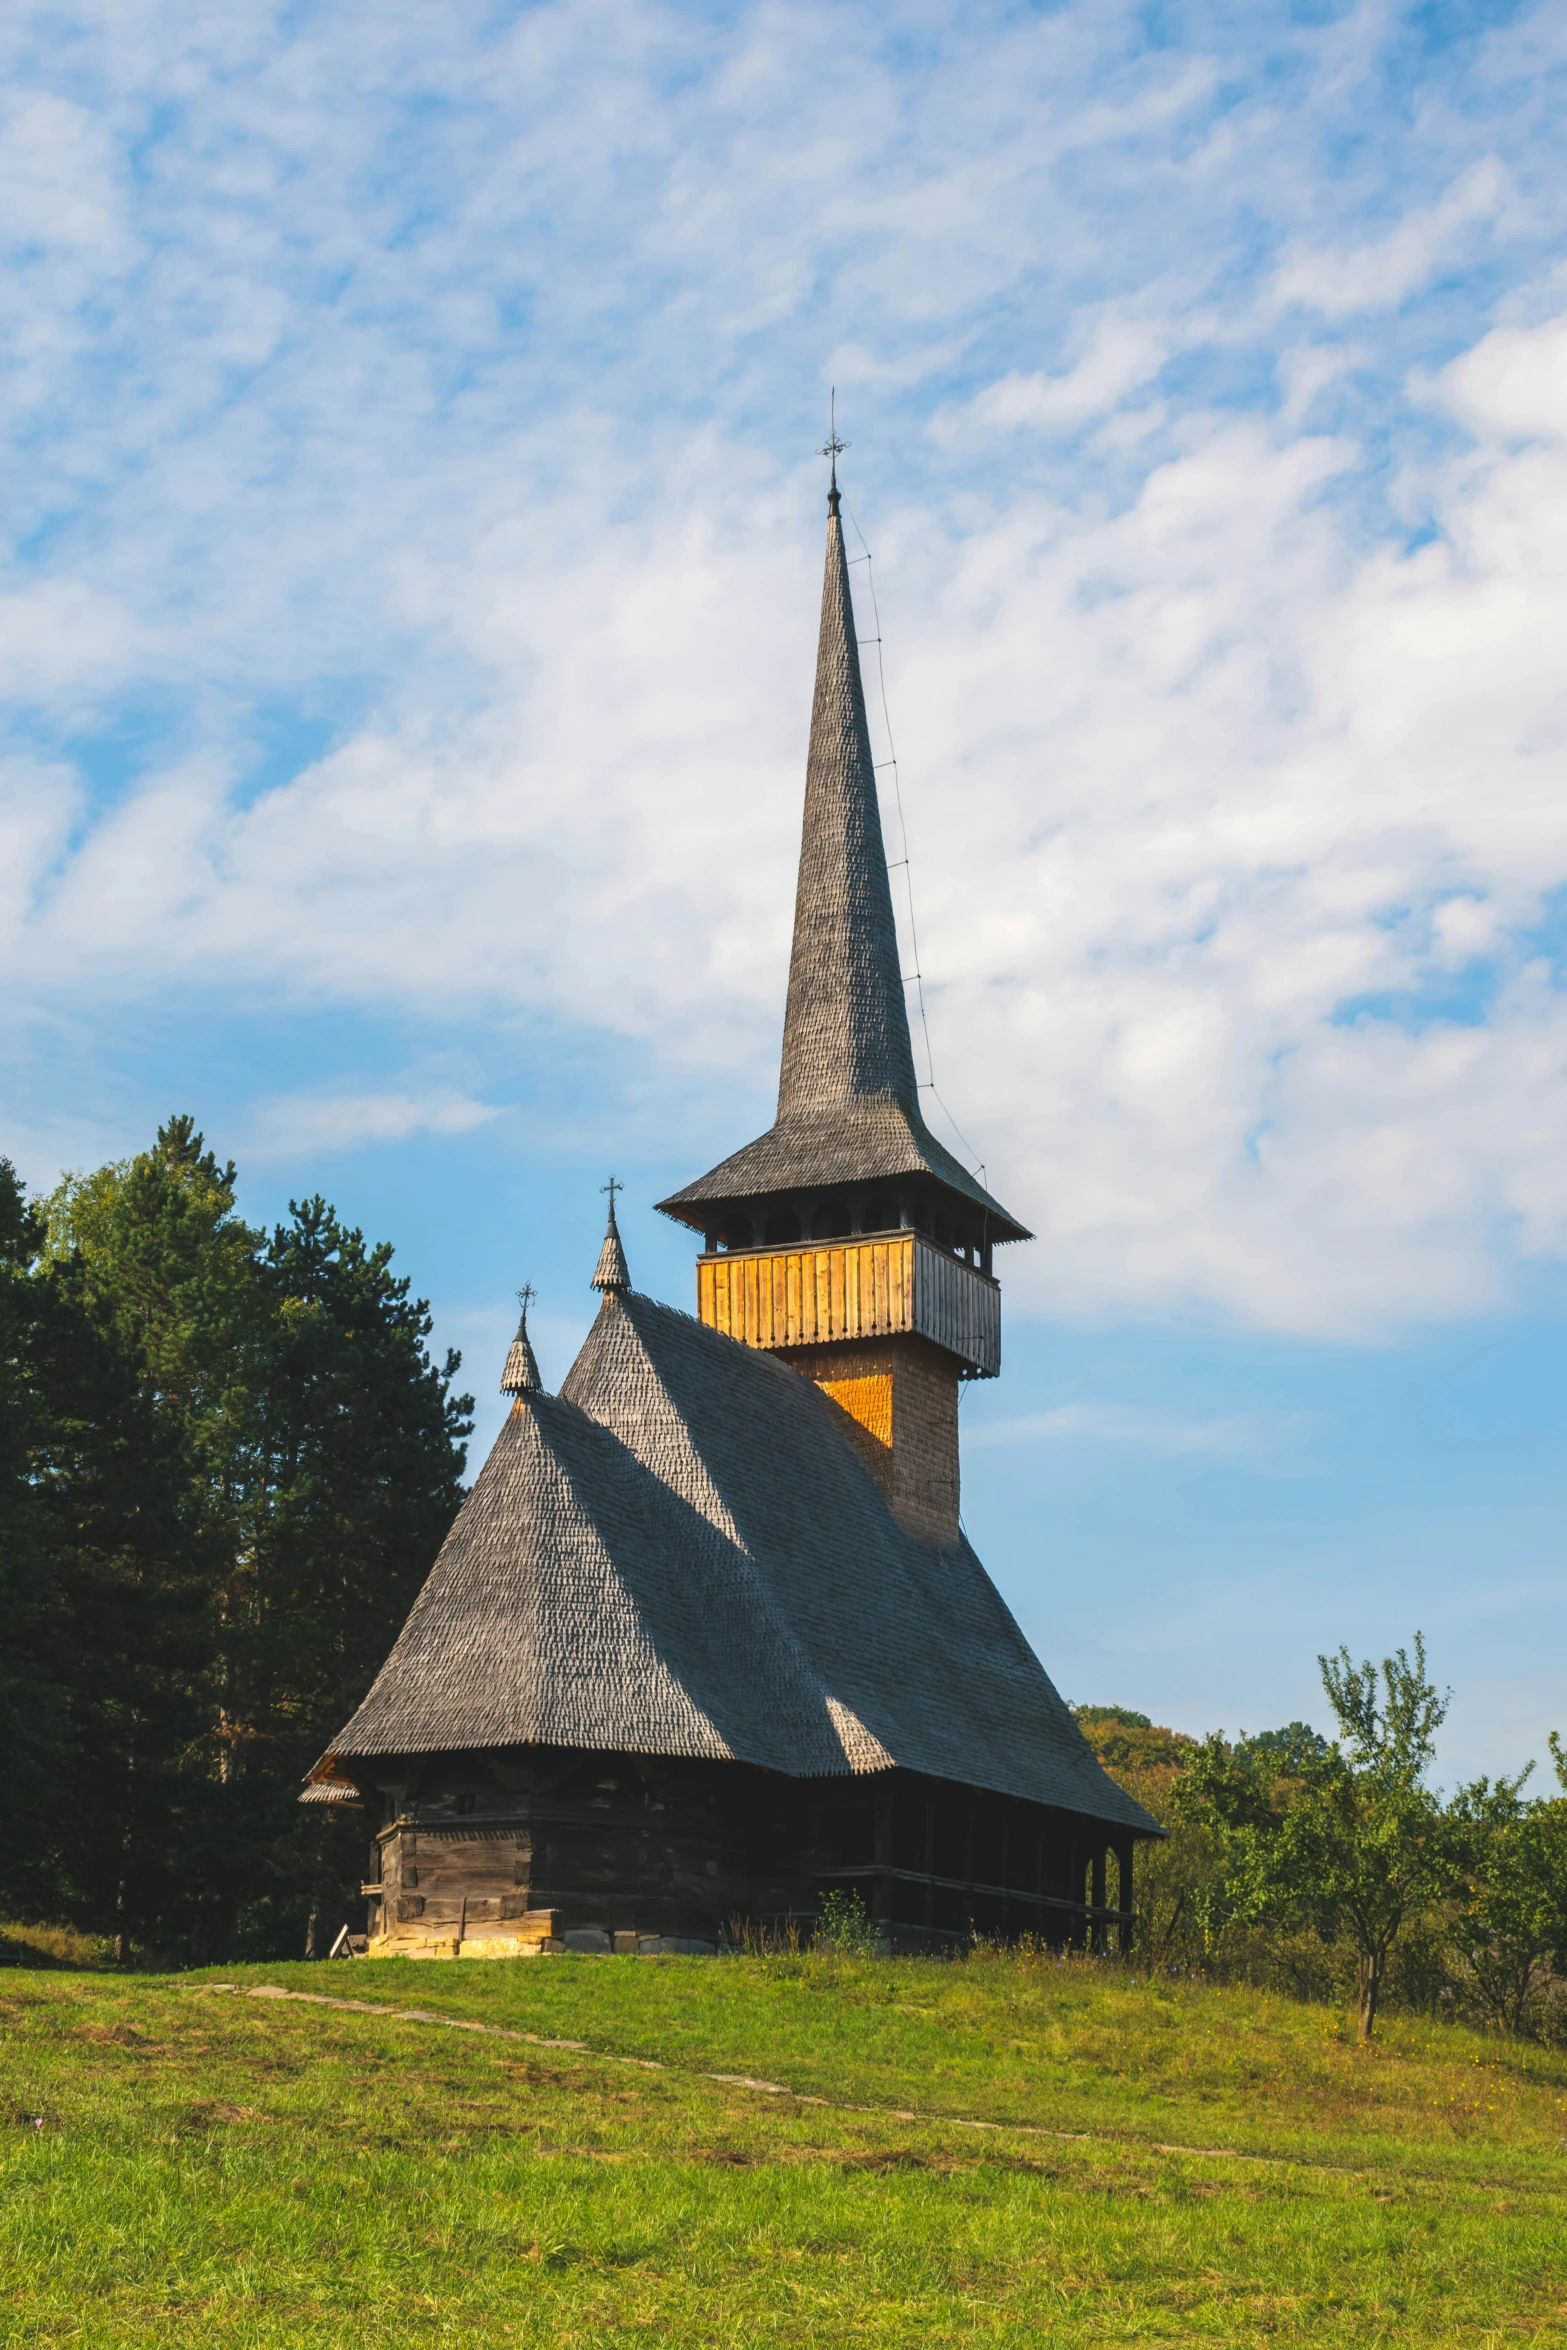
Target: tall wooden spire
{"x":849,"y":1123}
{"x":846,"y":1030}
{"x":847,"y":1239}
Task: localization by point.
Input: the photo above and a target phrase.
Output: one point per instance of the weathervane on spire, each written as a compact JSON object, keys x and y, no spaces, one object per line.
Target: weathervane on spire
{"x":832,"y":447}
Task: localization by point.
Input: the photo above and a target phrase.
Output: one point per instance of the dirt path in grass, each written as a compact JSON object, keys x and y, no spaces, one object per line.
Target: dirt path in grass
{"x":892,"y":2113}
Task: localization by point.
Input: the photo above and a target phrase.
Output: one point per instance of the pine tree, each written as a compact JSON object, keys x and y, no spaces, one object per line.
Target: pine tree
{"x":308,"y":1457}
{"x":364,"y":1452}
{"x":32,"y":1709}
{"x":105,"y":1616}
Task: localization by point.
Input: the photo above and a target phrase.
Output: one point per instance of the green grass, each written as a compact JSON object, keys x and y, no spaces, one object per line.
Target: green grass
{"x":35,"y":1946}
{"x":1174,"y":2163}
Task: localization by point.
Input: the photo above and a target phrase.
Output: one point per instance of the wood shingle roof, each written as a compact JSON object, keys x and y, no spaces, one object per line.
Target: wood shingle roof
{"x":684,"y":1554}
{"x":848,"y":1099}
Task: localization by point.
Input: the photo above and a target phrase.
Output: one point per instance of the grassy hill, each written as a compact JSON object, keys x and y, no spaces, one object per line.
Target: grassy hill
{"x":186,"y":2164}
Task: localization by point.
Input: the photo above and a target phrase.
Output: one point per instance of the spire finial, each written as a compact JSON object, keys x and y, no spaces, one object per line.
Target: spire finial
{"x":521,"y":1375}
{"x":611,"y":1274}
{"x":832,"y":448}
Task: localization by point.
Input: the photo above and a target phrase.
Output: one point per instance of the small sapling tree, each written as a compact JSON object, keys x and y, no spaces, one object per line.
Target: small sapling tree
{"x":1353,"y":1837}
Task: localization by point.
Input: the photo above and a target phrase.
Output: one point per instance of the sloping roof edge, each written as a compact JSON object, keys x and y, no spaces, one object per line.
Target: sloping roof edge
{"x":873,"y":1142}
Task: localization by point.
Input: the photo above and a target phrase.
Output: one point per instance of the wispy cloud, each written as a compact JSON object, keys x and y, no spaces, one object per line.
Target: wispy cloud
{"x":1386,"y":270}
{"x":1168,"y":1435}
{"x":432,"y":395}
{"x":308,"y":1125}
{"x":1122,"y":355}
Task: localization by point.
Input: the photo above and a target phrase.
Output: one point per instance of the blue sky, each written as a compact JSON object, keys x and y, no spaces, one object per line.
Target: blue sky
{"x":408,"y":601}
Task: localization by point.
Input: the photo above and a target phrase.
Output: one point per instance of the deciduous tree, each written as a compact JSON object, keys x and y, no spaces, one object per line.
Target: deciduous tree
{"x":1510,"y":1920}
{"x":1355,"y":1838}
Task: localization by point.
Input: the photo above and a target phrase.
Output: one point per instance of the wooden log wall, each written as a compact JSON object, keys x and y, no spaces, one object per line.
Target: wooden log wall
{"x":553,"y":1849}
{"x":629,"y":1853}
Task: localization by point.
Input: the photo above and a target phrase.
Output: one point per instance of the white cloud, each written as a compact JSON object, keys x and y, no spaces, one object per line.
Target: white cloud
{"x":306,"y":1125}
{"x":1381,"y":273}
{"x":39,"y":803}
{"x":1307,"y":370}
{"x":1188,"y":783}
{"x":1514,"y":383}
{"x":1166,"y":1434}
{"x":428,"y":381}
{"x":1122,"y":355}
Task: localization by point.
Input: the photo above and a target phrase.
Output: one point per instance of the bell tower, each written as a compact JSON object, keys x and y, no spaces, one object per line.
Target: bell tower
{"x":847,"y":1239}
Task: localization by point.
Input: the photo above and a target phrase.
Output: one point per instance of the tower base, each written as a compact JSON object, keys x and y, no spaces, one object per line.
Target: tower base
{"x":901,"y":1395}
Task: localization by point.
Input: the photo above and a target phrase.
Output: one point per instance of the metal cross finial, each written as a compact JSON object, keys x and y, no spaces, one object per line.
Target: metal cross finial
{"x":832,"y":447}
{"x":612,"y":1186}
{"x":521,"y":1375}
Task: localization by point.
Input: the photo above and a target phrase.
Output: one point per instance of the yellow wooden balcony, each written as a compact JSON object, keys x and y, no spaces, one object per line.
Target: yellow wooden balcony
{"x":876,"y":1286}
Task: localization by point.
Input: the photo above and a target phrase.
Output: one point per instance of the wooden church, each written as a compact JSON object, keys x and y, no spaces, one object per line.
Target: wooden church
{"x":707,"y":1639}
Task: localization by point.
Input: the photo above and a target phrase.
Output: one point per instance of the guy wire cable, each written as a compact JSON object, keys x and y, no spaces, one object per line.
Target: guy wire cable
{"x":978,"y":1164}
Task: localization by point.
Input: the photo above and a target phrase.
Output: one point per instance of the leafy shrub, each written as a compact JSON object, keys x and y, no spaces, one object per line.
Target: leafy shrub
{"x":844,"y":1926}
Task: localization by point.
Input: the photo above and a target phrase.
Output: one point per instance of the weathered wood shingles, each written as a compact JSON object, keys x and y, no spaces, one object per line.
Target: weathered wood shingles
{"x":684,"y":1554}
{"x":848,"y":1098}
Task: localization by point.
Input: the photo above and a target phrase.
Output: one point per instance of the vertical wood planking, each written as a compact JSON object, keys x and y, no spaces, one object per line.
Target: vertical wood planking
{"x":870,"y":1288}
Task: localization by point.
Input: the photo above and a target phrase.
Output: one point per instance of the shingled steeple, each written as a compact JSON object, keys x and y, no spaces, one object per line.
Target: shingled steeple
{"x":521,"y":1375}
{"x":611,"y":1275}
{"x":848,"y":1122}
{"x":846,"y":1030}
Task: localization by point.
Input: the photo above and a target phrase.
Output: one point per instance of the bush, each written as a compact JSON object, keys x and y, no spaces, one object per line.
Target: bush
{"x":844,"y":1926}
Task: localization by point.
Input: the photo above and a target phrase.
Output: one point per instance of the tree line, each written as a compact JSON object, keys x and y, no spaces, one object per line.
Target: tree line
{"x":1333,"y":1867}
{"x":227,"y":1461}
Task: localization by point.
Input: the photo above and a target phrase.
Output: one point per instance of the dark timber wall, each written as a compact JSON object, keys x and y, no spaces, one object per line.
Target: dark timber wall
{"x":550,"y":1848}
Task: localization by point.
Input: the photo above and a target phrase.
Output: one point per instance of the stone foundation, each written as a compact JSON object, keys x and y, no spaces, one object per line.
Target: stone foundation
{"x":586,"y":1944}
